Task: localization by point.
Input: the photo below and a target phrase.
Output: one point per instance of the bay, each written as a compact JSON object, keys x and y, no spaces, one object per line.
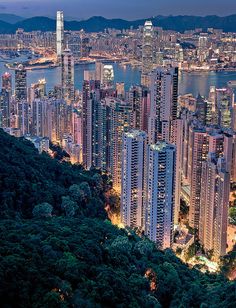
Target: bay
{"x":194,"y":82}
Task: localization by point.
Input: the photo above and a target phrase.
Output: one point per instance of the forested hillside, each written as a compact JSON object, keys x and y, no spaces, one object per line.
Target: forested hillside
{"x":58,"y":249}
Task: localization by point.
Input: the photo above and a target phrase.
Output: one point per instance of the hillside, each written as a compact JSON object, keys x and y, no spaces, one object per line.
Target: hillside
{"x":98,"y":23}
{"x":28,"y":179}
{"x":57,"y":249}
{"x":10,"y":18}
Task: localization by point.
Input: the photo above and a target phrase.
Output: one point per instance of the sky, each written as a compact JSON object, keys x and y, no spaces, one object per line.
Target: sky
{"x":127,"y":9}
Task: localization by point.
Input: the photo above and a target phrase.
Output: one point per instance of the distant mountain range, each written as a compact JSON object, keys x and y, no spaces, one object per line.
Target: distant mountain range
{"x":11,"y":18}
{"x":10,"y":23}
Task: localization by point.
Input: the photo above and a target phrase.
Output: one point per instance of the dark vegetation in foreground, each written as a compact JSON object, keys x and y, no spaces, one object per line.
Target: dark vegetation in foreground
{"x":58,"y":249}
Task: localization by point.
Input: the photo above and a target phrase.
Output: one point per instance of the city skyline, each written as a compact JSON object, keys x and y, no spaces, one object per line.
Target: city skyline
{"x":127,"y":10}
{"x":164,"y":152}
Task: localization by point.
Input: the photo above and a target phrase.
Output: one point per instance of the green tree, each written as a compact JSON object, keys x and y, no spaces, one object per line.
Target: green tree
{"x":42,"y":210}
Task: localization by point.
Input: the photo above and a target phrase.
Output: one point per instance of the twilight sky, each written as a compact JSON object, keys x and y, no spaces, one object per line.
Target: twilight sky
{"x":129,"y":9}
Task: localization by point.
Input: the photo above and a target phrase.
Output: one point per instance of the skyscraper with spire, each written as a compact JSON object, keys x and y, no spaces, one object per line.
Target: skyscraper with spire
{"x":147,"y":52}
{"x":60,"y":33}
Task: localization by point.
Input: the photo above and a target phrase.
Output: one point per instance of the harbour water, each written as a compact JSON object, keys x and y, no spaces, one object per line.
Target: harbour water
{"x":194,"y":82}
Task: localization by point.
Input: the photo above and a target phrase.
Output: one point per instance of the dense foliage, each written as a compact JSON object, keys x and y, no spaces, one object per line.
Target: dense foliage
{"x":57,"y":249}
{"x":57,"y":262}
{"x":28,"y":179}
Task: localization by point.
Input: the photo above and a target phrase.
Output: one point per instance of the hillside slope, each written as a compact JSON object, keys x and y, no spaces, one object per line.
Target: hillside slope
{"x":57,"y":249}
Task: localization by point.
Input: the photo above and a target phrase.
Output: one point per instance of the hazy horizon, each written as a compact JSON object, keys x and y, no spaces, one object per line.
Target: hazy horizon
{"x":130,"y":10}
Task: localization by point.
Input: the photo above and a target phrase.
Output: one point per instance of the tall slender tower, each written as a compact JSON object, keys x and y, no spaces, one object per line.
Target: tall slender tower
{"x":68,"y":83}
{"x":5,"y":99}
{"x":60,"y":32}
{"x":160,"y":181}
{"x":214,"y":205}
{"x":147,"y":52}
{"x":198,"y":151}
{"x":132,"y":187}
{"x":164,"y":101}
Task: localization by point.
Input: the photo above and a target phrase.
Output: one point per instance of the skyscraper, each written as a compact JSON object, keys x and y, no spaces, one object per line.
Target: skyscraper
{"x":5,"y":100}
{"x":198,"y":151}
{"x":132,"y":187}
{"x":68,"y":86}
{"x":121,"y":119}
{"x":60,"y":33}
{"x":90,"y":100}
{"x":135,"y":99}
{"x":164,"y":101}
{"x":147,"y":52}
{"x":215,"y":186}
{"x":20,"y":83}
{"x":160,"y":181}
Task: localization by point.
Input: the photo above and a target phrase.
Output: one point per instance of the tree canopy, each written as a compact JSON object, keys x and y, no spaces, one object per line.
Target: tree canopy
{"x":58,"y":248}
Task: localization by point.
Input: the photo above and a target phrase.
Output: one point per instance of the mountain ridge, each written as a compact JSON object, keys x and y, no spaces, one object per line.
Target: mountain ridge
{"x":178,"y":23}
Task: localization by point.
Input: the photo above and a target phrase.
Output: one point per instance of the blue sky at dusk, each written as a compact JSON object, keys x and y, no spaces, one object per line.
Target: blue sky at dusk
{"x":129,"y":9}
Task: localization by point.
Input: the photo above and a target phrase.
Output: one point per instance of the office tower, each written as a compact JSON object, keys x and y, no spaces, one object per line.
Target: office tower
{"x":212,"y":116}
{"x":147,"y":52}
{"x":60,"y":33}
{"x":67,"y":75}
{"x":198,"y":151}
{"x":132,"y":187}
{"x":221,"y":107}
{"x":164,"y":101}
{"x":224,"y":105}
{"x":7,"y":83}
{"x":20,"y":83}
{"x":202,"y":47}
{"x":215,"y":188}
{"x":160,"y":193}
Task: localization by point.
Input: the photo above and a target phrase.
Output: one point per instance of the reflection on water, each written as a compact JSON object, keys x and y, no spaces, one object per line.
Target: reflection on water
{"x":194,"y":82}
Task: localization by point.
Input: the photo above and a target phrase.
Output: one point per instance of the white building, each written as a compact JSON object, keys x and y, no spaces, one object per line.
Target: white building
{"x":60,"y":33}
{"x":132,"y":186}
{"x":147,"y":52}
{"x":160,"y":179}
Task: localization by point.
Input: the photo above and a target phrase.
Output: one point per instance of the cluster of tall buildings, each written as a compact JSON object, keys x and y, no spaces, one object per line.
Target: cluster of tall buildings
{"x":155,"y":145}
